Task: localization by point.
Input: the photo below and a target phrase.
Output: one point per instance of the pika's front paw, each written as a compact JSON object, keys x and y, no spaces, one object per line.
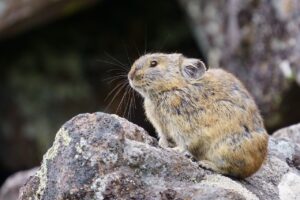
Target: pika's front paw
{"x":163,"y":143}
{"x":179,"y":149}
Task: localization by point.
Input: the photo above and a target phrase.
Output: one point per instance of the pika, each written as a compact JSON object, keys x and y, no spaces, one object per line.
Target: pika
{"x":205,"y":112}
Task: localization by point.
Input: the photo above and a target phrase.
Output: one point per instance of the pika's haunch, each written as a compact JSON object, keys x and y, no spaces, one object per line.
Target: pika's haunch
{"x":206,"y":112}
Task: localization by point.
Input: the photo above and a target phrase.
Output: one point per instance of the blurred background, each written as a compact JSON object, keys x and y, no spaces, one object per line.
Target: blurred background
{"x":60,"y":58}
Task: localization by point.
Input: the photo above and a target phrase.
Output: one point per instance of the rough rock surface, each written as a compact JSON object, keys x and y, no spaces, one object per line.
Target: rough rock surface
{"x":258,"y":40}
{"x":102,"y":156}
{"x":10,"y":189}
{"x":291,"y":133}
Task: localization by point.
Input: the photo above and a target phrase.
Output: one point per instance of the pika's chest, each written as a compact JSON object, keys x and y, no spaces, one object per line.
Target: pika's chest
{"x":178,"y":113}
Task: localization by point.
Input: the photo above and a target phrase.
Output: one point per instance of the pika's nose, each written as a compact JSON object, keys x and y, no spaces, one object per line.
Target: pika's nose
{"x":132,"y":74}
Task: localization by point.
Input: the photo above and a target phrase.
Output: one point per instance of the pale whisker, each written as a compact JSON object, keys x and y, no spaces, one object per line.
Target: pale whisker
{"x":116,"y":94}
{"x":117,"y":61}
{"x":113,"y":64}
{"x":129,"y":103}
{"x":119,"y":77}
{"x":122,"y":100}
{"x":113,"y":90}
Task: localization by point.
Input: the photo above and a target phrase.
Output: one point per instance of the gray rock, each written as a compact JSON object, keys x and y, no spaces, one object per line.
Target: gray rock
{"x":289,"y":187}
{"x":10,"y":189}
{"x":291,"y":133}
{"x":102,"y":156}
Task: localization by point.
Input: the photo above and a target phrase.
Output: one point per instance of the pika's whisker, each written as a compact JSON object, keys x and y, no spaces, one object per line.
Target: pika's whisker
{"x":120,"y":88}
{"x":116,"y":60}
{"x":164,"y":42}
{"x":129,"y":103}
{"x":122,"y":99}
{"x":119,"y":77}
{"x":117,"y":70}
{"x":113,"y":90}
{"x":132,"y":103}
{"x":113,"y":64}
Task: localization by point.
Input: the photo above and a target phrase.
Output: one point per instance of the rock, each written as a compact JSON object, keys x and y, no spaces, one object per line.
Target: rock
{"x":257,"y":40}
{"x":291,"y":133}
{"x":10,"y":188}
{"x":289,"y":187}
{"x":102,"y":156}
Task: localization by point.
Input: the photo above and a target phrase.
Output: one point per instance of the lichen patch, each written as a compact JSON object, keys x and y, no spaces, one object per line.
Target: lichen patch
{"x":61,"y":138}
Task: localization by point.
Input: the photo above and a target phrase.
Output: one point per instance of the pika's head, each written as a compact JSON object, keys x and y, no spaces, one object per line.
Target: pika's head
{"x":158,"y":72}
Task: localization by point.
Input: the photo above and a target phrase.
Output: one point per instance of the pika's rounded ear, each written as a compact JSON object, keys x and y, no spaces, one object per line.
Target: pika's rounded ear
{"x":193,"y":69}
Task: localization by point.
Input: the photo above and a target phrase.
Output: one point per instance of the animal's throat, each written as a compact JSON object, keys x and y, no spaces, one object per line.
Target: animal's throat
{"x":163,"y":93}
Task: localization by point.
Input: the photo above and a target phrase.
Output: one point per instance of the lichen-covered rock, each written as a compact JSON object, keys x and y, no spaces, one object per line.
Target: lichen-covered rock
{"x":258,"y":40}
{"x":102,"y":156}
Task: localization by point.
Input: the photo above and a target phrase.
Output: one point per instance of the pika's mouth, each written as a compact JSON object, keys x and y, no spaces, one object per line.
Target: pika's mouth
{"x":133,"y":84}
{"x":140,"y":88}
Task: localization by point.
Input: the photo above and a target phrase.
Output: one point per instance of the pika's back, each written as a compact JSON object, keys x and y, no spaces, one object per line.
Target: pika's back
{"x":223,"y":85}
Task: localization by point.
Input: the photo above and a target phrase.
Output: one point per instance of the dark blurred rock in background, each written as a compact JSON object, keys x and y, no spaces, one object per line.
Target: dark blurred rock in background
{"x":58,"y":69}
{"x":17,"y":16}
{"x":259,"y":41}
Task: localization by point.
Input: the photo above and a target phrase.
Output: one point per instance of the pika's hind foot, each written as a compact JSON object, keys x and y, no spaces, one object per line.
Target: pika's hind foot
{"x":181,"y":150}
{"x":208,"y":165}
{"x":177,"y":149}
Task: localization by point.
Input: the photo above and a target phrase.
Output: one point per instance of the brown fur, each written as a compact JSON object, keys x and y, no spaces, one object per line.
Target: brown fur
{"x":213,"y":117}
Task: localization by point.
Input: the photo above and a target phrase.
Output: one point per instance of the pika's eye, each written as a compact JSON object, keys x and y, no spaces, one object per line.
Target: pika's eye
{"x":153,"y":63}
